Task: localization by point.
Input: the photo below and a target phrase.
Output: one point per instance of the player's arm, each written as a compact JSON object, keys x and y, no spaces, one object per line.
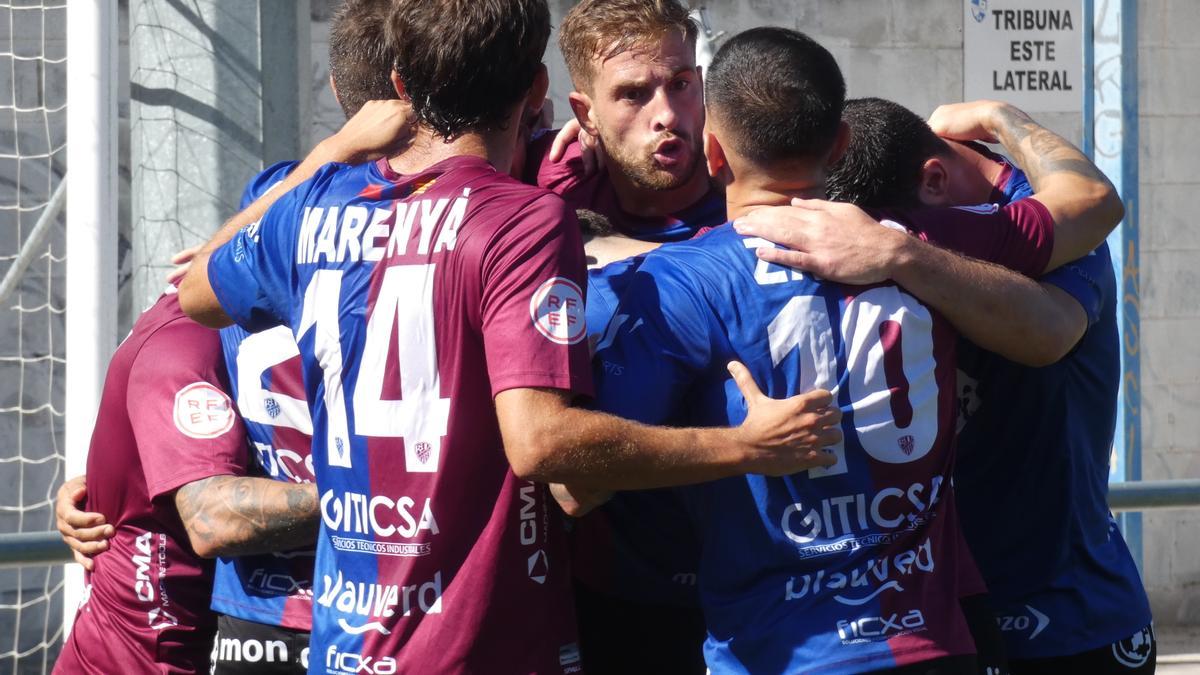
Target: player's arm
{"x":576,"y":500}
{"x":548,"y":440}
{"x":992,"y":306}
{"x":376,"y":130}
{"x":86,"y":533}
{"x":1026,"y":321}
{"x":240,"y":515}
{"x":537,"y":367}
{"x":1083,"y":204}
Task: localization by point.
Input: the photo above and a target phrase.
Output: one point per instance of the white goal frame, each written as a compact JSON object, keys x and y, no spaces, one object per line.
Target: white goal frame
{"x":91,"y":286}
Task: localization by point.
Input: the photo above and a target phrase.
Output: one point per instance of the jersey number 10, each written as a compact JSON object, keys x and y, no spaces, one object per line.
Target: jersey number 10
{"x":889,"y":374}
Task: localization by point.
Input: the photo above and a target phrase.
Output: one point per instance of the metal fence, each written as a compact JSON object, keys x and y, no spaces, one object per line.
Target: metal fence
{"x":47,"y":548}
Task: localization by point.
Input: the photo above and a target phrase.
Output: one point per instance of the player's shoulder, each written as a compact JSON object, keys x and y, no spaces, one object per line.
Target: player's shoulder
{"x":502,"y":185}
{"x":267,"y":179}
{"x":336,"y":183}
{"x":164,"y":330}
{"x":503,"y":205}
{"x":918,"y":219}
{"x":714,"y":248}
{"x":346,"y":180}
{"x":706,"y":262}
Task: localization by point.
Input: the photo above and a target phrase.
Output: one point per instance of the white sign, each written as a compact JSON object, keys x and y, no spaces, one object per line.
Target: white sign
{"x":1025,"y":52}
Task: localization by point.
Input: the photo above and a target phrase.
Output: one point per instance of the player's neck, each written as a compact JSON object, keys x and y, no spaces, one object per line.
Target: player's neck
{"x":645,"y":203}
{"x":743,"y":196}
{"x":427,"y":149}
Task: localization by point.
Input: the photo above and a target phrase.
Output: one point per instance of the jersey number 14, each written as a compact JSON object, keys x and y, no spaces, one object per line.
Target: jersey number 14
{"x":403,"y":308}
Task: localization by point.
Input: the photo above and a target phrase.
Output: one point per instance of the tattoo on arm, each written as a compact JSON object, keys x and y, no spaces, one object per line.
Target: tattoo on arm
{"x":232,"y":515}
{"x":1041,"y":152}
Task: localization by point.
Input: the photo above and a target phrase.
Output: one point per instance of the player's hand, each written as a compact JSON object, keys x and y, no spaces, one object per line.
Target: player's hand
{"x":379,"y":129}
{"x":831,"y":240}
{"x":85,"y":533}
{"x":576,"y":500}
{"x":786,"y":436}
{"x":591,"y":150}
{"x":182,"y":261}
{"x":970,"y":121}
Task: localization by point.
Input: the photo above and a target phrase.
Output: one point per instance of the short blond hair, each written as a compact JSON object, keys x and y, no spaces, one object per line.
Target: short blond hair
{"x":604,"y":28}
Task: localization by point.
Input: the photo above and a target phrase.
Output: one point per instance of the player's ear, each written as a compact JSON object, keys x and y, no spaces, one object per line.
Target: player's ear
{"x":581,"y":105}
{"x":333,"y":88}
{"x":934,"y":188}
{"x":398,"y":85}
{"x":840,"y":143}
{"x":715,"y":159}
{"x":537,"y":92}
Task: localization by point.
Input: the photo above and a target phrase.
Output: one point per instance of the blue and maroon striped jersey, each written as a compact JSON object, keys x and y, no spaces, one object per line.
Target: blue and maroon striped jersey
{"x":845,"y":569}
{"x":414,"y":301}
{"x":267,"y":383}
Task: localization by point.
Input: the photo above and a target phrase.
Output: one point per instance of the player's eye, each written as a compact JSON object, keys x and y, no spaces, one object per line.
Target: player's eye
{"x":680,"y":85}
{"x":633,"y":94}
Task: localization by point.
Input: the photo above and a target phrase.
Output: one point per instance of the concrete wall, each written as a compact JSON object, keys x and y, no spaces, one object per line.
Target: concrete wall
{"x":1169,"y":56}
{"x":215,"y":95}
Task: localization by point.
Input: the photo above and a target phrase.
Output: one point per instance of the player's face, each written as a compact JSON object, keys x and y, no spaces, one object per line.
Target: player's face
{"x":956,"y":179}
{"x":648,"y":106}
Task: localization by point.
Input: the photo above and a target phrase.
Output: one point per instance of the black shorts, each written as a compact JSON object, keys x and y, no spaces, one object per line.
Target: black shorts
{"x":1134,"y":655}
{"x":248,"y":647}
{"x":989,"y":641}
{"x":618,"y":637}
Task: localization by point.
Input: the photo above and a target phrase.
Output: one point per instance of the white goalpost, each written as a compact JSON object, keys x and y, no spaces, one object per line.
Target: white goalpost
{"x":91,"y":232}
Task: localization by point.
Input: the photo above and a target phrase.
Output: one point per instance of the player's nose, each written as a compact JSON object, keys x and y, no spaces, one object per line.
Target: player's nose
{"x":664,"y":115}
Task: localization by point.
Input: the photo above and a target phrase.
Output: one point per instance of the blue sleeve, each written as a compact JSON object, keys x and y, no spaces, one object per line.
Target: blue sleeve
{"x":265,"y":180}
{"x":606,"y":285}
{"x":254,"y":275}
{"x":1090,"y":280}
{"x":1018,"y":186}
{"x":657,"y":343}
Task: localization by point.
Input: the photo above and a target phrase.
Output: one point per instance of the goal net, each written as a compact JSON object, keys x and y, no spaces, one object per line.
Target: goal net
{"x":32,"y":274}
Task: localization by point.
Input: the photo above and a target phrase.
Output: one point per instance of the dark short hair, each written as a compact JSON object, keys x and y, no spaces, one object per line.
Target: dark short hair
{"x":596,"y":29}
{"x":465,"y":63}
{"x":888,"y":147}
{"x":777,"y":94}
{"x":593,"y":224}
{"x":359,"y":59}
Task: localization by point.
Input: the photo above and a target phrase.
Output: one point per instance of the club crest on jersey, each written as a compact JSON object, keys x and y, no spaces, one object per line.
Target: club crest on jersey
{"x":159,"y":618}
{"x":202,"y":411}
{"x":539,"y":566}
{"x":1134,"y":651}
{"x":557,"y":311}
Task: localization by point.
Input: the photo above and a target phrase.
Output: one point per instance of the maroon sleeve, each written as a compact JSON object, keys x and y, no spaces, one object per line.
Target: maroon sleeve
{"x":1019,"y":236}
{"x":559,"y":177}
{"x":184,"y":423}
{"x":534,"y":325}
